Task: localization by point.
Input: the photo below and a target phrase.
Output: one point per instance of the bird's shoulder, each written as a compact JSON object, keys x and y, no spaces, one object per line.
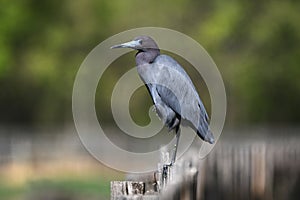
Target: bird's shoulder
{"x":191,"y":100}
{"x":168,"y":61}
{"x":173,"y":71}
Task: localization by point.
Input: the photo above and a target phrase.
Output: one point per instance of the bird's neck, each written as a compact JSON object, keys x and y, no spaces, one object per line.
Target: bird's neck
{"x":146,"y":57}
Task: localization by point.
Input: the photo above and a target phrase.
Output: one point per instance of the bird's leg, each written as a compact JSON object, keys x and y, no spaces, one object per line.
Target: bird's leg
{"x":177,"y":132}
{"x":166,"y":170}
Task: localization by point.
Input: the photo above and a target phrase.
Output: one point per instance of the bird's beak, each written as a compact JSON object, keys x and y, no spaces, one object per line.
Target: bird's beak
{"x":132,"y":44}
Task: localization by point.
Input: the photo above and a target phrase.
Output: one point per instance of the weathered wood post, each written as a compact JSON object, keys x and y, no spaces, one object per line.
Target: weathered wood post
{"x":183,"y":182}
{"x":178,"y":181}
{"x":130,"y":190}
{"x":164,"y":173}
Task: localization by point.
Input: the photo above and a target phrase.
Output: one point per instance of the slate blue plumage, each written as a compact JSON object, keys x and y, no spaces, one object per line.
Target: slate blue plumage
{"x":173,"y":93}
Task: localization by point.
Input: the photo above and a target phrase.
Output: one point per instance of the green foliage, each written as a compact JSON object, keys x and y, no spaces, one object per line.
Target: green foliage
{"x":11,"y":192}
{"x":69,"y":188}
{"x":42,"y":43}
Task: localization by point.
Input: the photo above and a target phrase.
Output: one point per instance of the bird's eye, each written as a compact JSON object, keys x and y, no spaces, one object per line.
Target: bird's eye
{"x":141,"y":42}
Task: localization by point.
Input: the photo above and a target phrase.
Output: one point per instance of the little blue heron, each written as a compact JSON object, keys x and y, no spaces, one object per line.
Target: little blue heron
{"x":172,"y":91}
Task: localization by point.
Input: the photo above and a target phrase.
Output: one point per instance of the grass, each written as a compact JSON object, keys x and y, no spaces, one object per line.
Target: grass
{"x":11,"y":192}
{"x":58,"y":188}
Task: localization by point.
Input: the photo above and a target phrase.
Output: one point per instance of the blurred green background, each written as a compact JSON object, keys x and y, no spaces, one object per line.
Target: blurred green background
{"x":255,"y":44}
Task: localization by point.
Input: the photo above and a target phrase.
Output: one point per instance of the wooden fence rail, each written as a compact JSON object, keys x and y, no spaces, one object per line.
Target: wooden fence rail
{"x":249,"y":170}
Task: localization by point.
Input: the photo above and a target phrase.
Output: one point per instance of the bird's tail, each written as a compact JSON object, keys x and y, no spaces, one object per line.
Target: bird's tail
{"x":206,"y":136}
{"x":209,"y":137}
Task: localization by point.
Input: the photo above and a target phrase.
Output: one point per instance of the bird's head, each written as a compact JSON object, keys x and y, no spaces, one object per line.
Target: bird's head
{"x":140,"y":43}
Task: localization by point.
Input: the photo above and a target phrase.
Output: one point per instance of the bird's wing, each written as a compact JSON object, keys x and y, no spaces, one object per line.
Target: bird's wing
{"x":176,"y":90}
{"x":152,"y":89}
{"x":164,"y":112}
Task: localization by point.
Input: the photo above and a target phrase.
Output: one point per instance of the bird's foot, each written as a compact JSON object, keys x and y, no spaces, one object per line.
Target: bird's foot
{"x":171,"y":164}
